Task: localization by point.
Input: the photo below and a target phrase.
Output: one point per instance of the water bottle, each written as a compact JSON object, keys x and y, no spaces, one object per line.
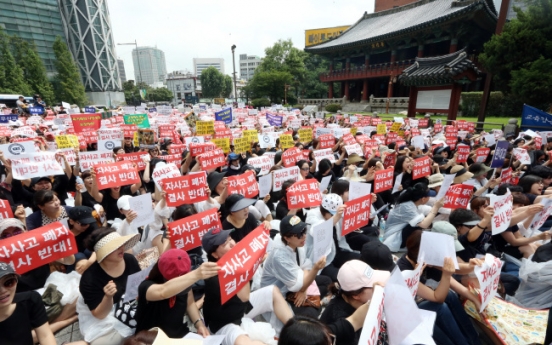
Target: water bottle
{"x":81,"y":182}
{"x":381,"y":229}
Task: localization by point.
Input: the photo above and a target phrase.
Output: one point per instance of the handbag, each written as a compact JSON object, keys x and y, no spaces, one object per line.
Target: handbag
{"x":311,"y":301}
{"x":52,"y":302}
{"x":147,"y":257}
{"x":126,"y":311}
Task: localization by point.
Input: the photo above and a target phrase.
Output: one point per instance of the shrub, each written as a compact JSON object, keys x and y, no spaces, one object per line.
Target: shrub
{"x":298,"y":106}
{"x":260,"y":102}
{"x":499,"y":105}
{"x":333,"y":107}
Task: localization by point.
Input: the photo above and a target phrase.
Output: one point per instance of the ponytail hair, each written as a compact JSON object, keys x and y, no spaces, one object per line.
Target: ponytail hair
{"x":414,"y":193}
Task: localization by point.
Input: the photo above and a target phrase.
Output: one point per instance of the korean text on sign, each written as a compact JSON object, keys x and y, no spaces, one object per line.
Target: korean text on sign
{"x":488,"y":275}
{"x":241,"y":262}
{"x":186,"y":233}
{"x":199,"y":148}
{"x":36,"y":248}
{"x":383,"y":180}
{"x":458,"y":196}
{"x":36,"y":165}
{"x":422,"y":168}
{"x":291,"y":156}
{"x":279,"y":176}
{"x":212,"y":159}
{"x":356,"y":214}
{"x":116,"y":175}
{"x":304,"y":194}
{"x":187,"y":189}
{"x":244,"y":184}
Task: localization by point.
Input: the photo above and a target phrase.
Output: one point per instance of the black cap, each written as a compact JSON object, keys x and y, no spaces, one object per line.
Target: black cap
{"x":82,"y":214}
{"x":6,"y":269}
{"x":377,"y":255}
{"x":236,"y":202}
{"x":291,"y":225}
{"x":36,"y":180}
{"x":462,"y":216}
{"x":214,"y":238}
{"x":248,"y":167}
{"x":213,"y":179}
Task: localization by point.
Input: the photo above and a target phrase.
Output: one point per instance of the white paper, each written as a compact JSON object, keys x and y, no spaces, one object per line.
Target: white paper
{"x":358,"y":189}
{"x":266,"y":140}
{"x":502,"y":215}
{"x":164,"y":170}
{"x":133,"y":282}
{"x":18,"y":149}
{"x":398,"y":181}
{"x":325,"y":183}
{"x":265,"y":184}
{"x":210,"y":340}
{"x":490,"y":139}
{"x":194,"y":140}
{"x":322,"y":235}
{"x":264,"y":162}
{"x":522,"y":156}
{"x":418,"y":142}
{"x":447,"y":182}
{"x":424,"y":333}
{"x":143,"y":207}
{"x":435,"y":247}
{"x":371,"y":326}
{"x":488,"y":276}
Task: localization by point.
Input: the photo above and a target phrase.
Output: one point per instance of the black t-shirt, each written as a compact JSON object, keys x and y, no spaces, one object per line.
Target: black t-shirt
{"x":503,"y":246}
{"x":160,"y":313}
{"x":34,"y":279}
{"x":428,"y":273}
{"x":217,"y":315}
{"x":239,"y":233}
{"x":29,"y":314}
{"x":335,"y":313}
{"x":88,"y":200}
{"x":81,"y":238}
{"x":471,"y":249}
{"x":94,"y":279}
{"x":110,"y":204}
{"x":282,"y":210}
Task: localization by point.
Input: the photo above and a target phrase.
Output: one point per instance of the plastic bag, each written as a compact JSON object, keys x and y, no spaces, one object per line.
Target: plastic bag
{"x":67,"y":284}
{"x":260,"y":331}
{"x":536,"y":282}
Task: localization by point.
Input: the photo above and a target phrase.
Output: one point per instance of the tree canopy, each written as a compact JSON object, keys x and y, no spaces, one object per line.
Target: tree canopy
{"x":228,"y":86}
{"x":132,"y":93}
{"x":212,"y":83}
{"x":12,"y":79}
{"x":68,"y":87}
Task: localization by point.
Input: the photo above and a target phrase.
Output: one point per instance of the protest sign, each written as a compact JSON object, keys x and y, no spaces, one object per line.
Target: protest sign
{"x":458,"y":196}
{"x":348,"y":139}
{"x":32,"y":249}
{"x":323,"y":154}
{"x":15,"y":150}
{"x":5,"y":210}
{"x":194,"y":140}
{"x":371,"y":327}
{"x":502,"y":206}
{"x":212,"y":159}
{"x":265,"y":185}
{"x":143,"y":207}
{"x":356,"y":214}
{"x":322,"y":238}
{"x":186,"y":233}
{"x":447,"y":182}
{"x":383,"y":180}
{"x":286,"y":141}
{"x":140,"y":120}
{"x":506,"y":176}
{"x":244,"y":184}
{"x":263,"y":162}
{"x":522,"y":156}
{"x":266,"y":140}
{"x":163,"y":171}
{"x":435,"y":247}
{"x":116,"y":175}
{"x":135,"y":157}
{"x":488,"y":275}
{"x":205,"y":127}
{"x":86,"y":122}
{"x":224,"y":115}
{"x":177,"y":149}
{"x":354,"y":148}
{"x":187,"y":189}
{"x":422,"y":168}
{"x":274,"y":120}
{"x":381,"y":129}
{"x":88,"y":159}
{"x":133,"y":282}
{"x":291,"y":156}
{"x":542,"y":216}
{"x":358,"y":189}
{"x":36,"y":165}
{"x":481,"y":154}
{"x":251,"y":135}
{"x":412,"y":278}
{"x":463,"y":153}
{"x":499,"y":154}
{"x":304,"y":194}
{"x":175,"y":159}
{"x":242,"y":145}
{"x":305,"y":135}
{"x":66,"y":141}
{"x":279,"y":176}
{"x":240,"y":263}
{"x":197,"y":149}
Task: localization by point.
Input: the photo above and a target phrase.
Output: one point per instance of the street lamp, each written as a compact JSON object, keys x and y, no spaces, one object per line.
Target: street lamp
{"x":286,"y":87}
{"x":137,"y":56}
{"x":234,"y":64}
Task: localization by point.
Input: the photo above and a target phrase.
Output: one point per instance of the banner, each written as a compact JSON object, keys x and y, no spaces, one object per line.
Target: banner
{"x":280,"y":176}
{"x":135,"y":157}
{"x":222,"y":143}
{"x":499,"y":156}
{"x":488,"y":275}
{"x":140,"y":120}
{"x":291,"y":156}
{"x":224,"y":115}
{"x":18,"y":149}
{"x":481,"y":154}
{"x":263,"y":162}
{"x":187,"y":189}
{"x":244,"y":184}
{"x":240,"y":263}
{"x":286,"y":141}
{"x":86,"y":122}
{"x":32,"y":249}
{"x":304,"y":194}
{"x":88,"y":159}
{"x":422,"y":168}
{"x":383,"y":180}
{"x":197,"y":149}
{"x":356,"y":214}
{"x":116,"y":175}
{"x":205,"y":127}
{"x":463,"y":153}
{"x":502,"y":215}
{"x":186,"y":233}
{"x":212,"y":159}
{"x":36,"y":165}
{"x":274,"y":120}
{"x":533,"y":118}
{"x":5,"y":210}
{"x":458,"y":196}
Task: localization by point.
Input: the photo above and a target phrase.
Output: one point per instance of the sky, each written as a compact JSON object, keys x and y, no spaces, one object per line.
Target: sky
{"x":184,"y":30}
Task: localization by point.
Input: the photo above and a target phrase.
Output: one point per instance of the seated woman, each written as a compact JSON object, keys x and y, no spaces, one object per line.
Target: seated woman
{"x":303,"y":330}
{"x":282,"y":209}
{"x":103,"y":285}
{"x":51,"y":210}
{"x":165,"y":297}
{"x":239,"y":217}
{"x":23,"y":319}
{"x":346,"y":312}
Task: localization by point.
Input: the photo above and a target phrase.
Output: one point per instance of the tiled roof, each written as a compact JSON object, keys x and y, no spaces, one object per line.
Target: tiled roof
{"x":437,"y":69}
{"x":379,"y":26}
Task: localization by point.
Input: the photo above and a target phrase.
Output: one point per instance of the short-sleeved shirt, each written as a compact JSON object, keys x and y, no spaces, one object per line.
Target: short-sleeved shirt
{"x":239,"y":233}
{"x":29,"y":314}
{"x":110,"y":204}
{"x":281,"y":269}
{"x":94,"y":279}
{"x":402,"y":215}
{"x":167,"y":314}
{"x":34,"y":279}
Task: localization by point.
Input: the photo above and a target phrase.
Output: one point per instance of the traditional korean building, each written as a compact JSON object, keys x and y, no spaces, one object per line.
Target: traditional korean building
{"x":367,"y":58}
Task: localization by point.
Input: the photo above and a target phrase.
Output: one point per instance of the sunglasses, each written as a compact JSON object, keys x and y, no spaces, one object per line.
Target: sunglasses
{"x":9,"y":283}
{"x":305,"y":169}
{"x":14,"y":233}
{"x":301,"y":234}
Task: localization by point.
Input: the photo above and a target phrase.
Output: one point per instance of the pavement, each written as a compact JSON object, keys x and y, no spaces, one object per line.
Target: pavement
{"x":69,"y":334}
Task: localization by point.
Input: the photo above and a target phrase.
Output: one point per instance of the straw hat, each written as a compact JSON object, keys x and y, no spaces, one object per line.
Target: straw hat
{"x":462,"y":175}
{"x":354,"y":158}
{"x":113,"y":241}
{"x":163,"y":339}
{"x":435,"y":180}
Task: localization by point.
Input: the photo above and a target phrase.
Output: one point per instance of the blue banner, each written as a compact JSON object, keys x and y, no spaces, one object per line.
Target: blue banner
{"x":499,"y":154}
{"x":7,"y":118}
{"x":224,"y":115}
{"x":274,"y":120}
{"x":202,"y":107}
{"x":152,"y":110}
{"x":36,"y":110}
{"x":533,"y":117}
{"x":90,"y":110}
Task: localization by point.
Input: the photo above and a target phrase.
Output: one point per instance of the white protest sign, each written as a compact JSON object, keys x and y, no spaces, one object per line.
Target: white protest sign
{"x":320,"y":131}
{"x":490,"y":139}
{"x":413,"y":123}
{"x":522,"y":156}
{"x":133,"y":282}
{"x":266,"y":140}
{"x":69,"y":155}
{"x":25,"y":132}
{"x":322,"y":235}
{"x":18,"y":149}
{"x":412,"y":278}
{"x":354,"y":148}
{"x":435,"y":247}
{"x":542,"y":216}
{"x":424,"y":333}
{"x":291,"y":173}
{"x":163,"y":171}
{"x":322,"y":154}
{"x":325,"y":183}
{"x":36,"y":165}
{"x":418,"y":142}
{"x":447,"y":182}
{"x":143,"y":207}
{"x":502,"y":215}
{"x":371,"y":326}
{"x":358,"y":189}
{"x":264,"y":162}
{"x":398,"y":119}
{"x":265,"y":184}
{"x":194,"y":140}
{"x":398,"y":182}
{"x":488,"y":275}
{"x":196,"y":339}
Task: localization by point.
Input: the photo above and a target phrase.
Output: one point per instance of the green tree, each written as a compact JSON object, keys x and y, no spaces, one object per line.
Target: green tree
{"x":34,"y":71}
{"x":511,"y":55}
{"x":69,"y":86}
{"x":212,"y":82}
{"x":270,"y":84}
{"x":228,"y":86}
{"x":11,"y":76}
{"x":313,"y":87}
{"x":160,"y":95}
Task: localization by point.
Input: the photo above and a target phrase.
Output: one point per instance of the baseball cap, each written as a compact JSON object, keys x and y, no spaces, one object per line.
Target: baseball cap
{"x":377,"y":255}
{"x":233,"y":156}
{"x":82,"y":214}
{"x":214,"y":238}
{"x":331,"y":202}
{"x":123,"y":202}
{"x":236,"y":202}
{"x":448,"y":229}
{"x":462,"y":216}
{"x":355,"y":275}
{"x":36,"y":180}
{"x":6,"y":269}
{"x":291,"y":225}
{"x":174,"y":263}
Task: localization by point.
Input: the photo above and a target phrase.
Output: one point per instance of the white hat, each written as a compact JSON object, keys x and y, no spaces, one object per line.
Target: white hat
{"x":331,"y":202}
{"x":123,"y":202}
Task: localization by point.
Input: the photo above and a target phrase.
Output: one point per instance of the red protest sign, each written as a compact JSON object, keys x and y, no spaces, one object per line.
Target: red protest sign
{"x":128,"y":130}
{"x":187,"y":189}
{"x":84,"y":122}
{"x":303,"y":194}
{"x":538,"y":142}
{"x":176,"y":159}
{"x":135,"y":157}
{"x":244,"y":184}
{"x":463,"y":153}
{"x":506,"y":176}
{"x":391,"y":137}
{"x":291,"y":156}
{"x":356,"y":214}
{"x":458,"y":196}
{"x":390,"y":160}
{"x":41,"y":246}
{"x":240,"y":263}
{"x":362,"y":139}
{"x":481,"y":154}
{"x":212,"y":159}
{"x":423,"y":123}
{"x":348,"y":139}
{"x":186,"y":233}
{"x":177,"y":149}
{"x":383,"y":180}
{"x":199,"y":148}
{"x":422,"y":167}
{"x":437,"y":128}
{"x":5,"y":210}
{"x":116,"y":174}
{"x":326,"y":141}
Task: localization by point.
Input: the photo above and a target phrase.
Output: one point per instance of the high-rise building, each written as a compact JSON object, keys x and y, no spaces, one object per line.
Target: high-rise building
{"x":248,"y":65}
{"x":149,"y":65}
{"x":203,"y":63}
{"x":90,"y":39}
{"x":122,"y":73}
{"x":37,"y":21}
